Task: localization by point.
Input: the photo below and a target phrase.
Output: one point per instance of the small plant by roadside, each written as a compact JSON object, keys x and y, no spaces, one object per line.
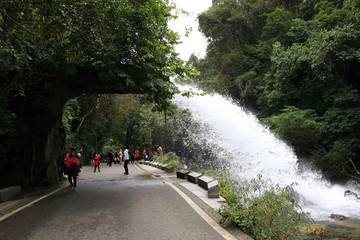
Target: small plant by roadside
{"x":212,"y":173}
{"x":170,"y":159}
{"x":314,"y":230}
{"x":263,"y":210}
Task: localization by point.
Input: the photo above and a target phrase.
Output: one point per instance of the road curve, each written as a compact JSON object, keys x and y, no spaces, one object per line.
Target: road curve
{"x":109,"y":205}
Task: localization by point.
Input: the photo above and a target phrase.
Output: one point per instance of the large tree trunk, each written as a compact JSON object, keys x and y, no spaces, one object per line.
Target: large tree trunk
{"x":37,"y":156}
{"x":54,"y":152}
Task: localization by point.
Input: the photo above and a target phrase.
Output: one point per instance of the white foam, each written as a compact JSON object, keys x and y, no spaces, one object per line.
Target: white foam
{"x":252,"y":149}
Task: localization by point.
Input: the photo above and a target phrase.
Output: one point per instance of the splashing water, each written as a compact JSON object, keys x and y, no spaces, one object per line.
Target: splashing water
{"x":249,"y":149}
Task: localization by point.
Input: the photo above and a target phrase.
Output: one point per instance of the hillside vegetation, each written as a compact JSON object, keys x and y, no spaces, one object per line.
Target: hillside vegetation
{"x":296,"y":64}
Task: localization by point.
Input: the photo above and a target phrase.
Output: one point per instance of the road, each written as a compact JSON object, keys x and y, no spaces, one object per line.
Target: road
{"x":109,"y":205}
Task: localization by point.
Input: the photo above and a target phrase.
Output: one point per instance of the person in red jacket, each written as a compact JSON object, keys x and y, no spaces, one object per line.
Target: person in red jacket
{"x":137,"y":155}
{"x":97,"y":159}
{"x":71,"y":168}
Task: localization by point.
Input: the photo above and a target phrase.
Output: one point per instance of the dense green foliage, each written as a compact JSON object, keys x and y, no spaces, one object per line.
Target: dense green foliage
{"x":171,"y":159}
{"x":297,"y":65}
{"x":300,"y":127}
{"x":52,"y":51}
{"x":262,"y":210}
{"x":100,"y":123}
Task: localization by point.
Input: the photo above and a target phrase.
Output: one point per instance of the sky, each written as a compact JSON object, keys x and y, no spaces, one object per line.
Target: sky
{"x":195,"y":42}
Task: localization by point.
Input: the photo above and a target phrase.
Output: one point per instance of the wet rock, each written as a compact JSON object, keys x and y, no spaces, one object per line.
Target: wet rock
{"x":338,"y":217}
{"x":349,"y":193}
{"x":314,"y":230}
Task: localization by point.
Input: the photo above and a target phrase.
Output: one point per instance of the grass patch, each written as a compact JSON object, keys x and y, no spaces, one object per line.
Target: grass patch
{"x":171,"y":159}
{"x":263,"y":210}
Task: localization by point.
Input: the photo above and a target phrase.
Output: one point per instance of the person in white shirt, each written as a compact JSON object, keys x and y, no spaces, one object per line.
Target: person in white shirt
{"x":126,"y":160}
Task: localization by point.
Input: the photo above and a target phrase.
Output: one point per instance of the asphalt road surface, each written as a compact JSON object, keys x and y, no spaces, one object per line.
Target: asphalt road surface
{"x":110,"y":205}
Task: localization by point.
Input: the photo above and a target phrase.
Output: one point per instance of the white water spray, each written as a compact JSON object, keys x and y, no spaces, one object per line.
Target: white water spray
{"x":251,"y":149}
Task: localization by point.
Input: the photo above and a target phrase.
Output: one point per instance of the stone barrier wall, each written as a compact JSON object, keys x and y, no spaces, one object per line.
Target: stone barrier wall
{"x":205,"y":182}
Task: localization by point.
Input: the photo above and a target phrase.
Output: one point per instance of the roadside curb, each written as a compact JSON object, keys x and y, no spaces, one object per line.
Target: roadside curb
{"x":198,"y":193}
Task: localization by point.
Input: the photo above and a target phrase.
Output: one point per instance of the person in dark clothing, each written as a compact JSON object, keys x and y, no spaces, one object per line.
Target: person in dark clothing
{"x":91,"y":159}
{"x":110,"y":157}
{"x":71,"y":168}
{"x":79,"y":155}
{"x":131,"y":156}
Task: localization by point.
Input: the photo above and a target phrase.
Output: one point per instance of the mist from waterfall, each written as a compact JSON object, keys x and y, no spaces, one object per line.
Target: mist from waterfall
{"x":236,"y":142}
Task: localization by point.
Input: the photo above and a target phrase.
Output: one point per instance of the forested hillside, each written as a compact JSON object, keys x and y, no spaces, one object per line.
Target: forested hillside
{"x":296,"y":63}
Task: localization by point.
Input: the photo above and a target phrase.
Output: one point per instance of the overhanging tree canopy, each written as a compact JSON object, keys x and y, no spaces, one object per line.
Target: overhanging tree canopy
{"x":52,"y":50}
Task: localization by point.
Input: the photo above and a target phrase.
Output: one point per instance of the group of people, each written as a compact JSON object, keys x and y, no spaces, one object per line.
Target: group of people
{"x":118,"y":156}
{"x":72,"y":161}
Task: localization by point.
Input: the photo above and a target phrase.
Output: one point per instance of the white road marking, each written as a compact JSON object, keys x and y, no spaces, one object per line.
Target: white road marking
{"x":225,"y":234}
{"x":29,"y":204}
{"x":202,"y":214}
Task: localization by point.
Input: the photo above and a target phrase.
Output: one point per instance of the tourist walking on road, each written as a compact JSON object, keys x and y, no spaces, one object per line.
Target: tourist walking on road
{"x":131,"y":156}
{"x":97,"y":159}
{"x":126,"y":160}
{"x":110,"y":157}
{"x":71,"y":168}
{"x":91,"y":159}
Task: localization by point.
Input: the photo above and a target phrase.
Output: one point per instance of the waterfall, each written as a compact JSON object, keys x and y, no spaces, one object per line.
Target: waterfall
{"x":245,"y":148}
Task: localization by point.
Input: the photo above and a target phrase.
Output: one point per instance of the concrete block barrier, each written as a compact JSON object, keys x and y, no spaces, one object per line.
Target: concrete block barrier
{"x":193,"y":177}
{"x":8,"y":193}
{"x":204,"y":181}
{"x":182,"y":173}
{"x":213,"y":189}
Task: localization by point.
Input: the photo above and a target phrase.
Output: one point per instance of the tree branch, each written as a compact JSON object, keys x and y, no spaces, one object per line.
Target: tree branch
{"x":83,"y":119}
{"x":352,"y":163}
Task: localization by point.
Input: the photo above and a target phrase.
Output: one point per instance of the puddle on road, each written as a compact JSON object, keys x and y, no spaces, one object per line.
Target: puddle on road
{"x":146,"y":176}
